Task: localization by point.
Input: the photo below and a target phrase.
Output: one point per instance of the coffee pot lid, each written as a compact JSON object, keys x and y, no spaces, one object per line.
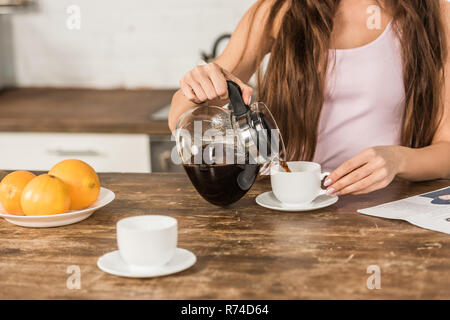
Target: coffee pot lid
{"x":255,"y":128}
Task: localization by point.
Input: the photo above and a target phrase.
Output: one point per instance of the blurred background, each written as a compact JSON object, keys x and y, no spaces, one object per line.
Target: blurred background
{"x":93,"y":79}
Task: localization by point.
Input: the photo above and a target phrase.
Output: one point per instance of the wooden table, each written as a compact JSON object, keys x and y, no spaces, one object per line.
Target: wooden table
{"x":245,"y":252}
{"x":83,"y":110}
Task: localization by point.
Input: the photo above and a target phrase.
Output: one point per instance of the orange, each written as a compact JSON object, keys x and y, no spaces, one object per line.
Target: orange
{"x":45,"y":195}
{"x":11,"y":189}
{"x":81,"y":180}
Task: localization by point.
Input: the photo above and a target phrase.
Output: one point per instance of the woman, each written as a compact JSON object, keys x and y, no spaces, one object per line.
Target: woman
{"x":360,"y":86}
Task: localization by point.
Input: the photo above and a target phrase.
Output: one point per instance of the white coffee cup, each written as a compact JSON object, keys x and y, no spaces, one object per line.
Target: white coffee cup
{"x":147,"y":241}
{"x":299,"y":187}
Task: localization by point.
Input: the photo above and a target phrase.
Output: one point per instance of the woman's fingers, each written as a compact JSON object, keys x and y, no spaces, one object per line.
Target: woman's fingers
{"x":374,"y":187}
{"x":366,"y":183}
{"x":198,"y":90}
{"x":346,"y":168}
{"x":188,"y":92}
{"x":354,"y":180}
{"x":372,"y":169}
{"x":203,"y":78}
{"x":218,"y":80}
{"x":209,"y":82}
{"x":199,"y":81}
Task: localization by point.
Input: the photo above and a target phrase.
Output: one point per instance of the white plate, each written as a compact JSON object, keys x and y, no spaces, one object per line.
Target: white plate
{"x":57,"y":220}
{"x":113,"y":263}
{"x":268,"y":200}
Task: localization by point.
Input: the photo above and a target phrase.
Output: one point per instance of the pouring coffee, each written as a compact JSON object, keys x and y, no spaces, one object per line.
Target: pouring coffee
{"x":222,"y":149}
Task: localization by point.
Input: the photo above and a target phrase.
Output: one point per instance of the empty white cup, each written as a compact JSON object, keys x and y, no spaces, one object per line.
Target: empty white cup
{"x":147,"y":241}
{"x":299,"y":187}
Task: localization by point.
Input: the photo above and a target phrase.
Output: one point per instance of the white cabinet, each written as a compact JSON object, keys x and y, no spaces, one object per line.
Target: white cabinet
{"x":104,"y":152}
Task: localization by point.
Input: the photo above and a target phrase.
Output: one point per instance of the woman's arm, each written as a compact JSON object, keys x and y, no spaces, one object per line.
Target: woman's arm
{"x":375,"y":168}
{"x":207,"y":84}
{"x":433,"y":162}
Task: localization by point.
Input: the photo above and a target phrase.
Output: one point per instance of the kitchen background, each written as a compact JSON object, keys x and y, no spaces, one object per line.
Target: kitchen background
{"x":99,"y":93}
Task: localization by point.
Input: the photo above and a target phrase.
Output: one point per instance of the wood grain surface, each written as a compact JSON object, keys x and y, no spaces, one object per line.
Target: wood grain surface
{"x":83,"y":110}
{"x":244,"y":252}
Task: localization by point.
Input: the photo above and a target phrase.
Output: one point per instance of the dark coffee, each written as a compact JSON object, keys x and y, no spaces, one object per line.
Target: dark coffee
{"x":285,"y":166}
{"x":222,"y":185}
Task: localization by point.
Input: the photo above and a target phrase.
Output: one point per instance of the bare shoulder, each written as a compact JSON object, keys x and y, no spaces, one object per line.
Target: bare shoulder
{"x":267,"y":11}
{"x":446,"y":12}
{"x":446,"y":20}
{"x":446,"y":7}
{"x":250,"y":40}
{"x":278,"y":10}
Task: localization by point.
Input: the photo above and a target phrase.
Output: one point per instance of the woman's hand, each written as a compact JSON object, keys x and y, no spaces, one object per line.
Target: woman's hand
{"x":206,"y":83}
{"x":372,"y":169}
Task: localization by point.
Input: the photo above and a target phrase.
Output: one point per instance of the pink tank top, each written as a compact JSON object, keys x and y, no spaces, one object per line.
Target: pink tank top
{"x":364,"y":100}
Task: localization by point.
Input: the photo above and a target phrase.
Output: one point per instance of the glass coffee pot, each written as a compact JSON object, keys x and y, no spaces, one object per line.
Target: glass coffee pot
{"x":222,"y":150}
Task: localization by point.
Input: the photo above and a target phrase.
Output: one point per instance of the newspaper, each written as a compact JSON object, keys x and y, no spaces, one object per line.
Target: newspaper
{"x":429,"y":210}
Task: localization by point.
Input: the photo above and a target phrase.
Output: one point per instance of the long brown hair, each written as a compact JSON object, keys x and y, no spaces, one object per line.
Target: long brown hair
{"x":293,"y":84}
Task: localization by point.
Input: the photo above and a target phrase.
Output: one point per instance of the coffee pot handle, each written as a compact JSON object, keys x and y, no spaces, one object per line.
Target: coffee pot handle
{"x":238,"y":106}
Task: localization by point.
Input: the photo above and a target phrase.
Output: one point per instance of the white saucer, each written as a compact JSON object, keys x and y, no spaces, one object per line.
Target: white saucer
{"x":113,"y":263}
{"x":268,"y":200}
{"x":57,"y":220}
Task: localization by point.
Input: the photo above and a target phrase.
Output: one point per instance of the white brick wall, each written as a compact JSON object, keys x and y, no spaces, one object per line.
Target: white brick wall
{"x":122,"y":43}
{"x":6,"y":46}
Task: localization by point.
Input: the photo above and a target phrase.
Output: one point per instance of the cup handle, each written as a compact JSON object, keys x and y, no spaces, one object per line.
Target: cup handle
{"x":323,"y":176}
